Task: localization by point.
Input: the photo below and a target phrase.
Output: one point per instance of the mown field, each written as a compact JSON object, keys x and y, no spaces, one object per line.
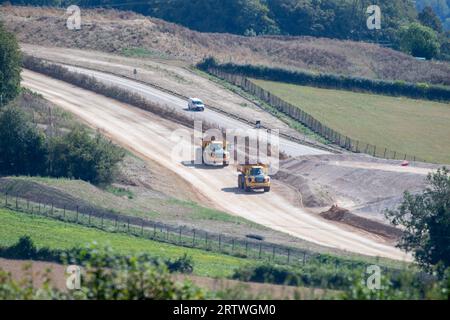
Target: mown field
{"x":414,"y":127}
{"x":58,"y":235}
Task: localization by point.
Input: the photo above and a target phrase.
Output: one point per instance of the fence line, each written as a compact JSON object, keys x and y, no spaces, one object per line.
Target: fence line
{"x":175,"y":234}
{"x":312,"y":123}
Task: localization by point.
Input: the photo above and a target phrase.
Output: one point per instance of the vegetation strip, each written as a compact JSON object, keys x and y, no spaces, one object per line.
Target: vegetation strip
{"x":331,"y":81}
{"x":185,"y":237}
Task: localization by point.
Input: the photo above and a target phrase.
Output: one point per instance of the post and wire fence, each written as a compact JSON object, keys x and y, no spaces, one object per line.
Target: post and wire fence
{"x":249,"y":247}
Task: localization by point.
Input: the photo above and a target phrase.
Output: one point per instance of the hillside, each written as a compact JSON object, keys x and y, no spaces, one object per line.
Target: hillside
{"x":342,"y":19}
{"x":396,"y":123}
{"x":135,"y":35}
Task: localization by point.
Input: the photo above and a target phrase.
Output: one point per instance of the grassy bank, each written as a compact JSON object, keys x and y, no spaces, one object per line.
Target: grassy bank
{"x":58,"y":235}
{"x":410,"y":126}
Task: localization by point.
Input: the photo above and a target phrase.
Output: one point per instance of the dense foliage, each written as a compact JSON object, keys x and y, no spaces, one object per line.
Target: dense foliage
{"x":106,"y":276}
{"x":10,"y":66}
{"x":22,"y":146}
{"x":440,"y":7}
{"x":25,"y":150}
{"x":340,"y":19}
{"x":419,"y":41}
{"x":80,"y":156}
{"x":426,"y":219}
{"x":344,"y":19}
{"x":395,"y":284}
{"x":394,"y":88}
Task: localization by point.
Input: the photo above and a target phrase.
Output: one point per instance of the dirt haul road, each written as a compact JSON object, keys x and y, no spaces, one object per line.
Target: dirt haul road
{"x":149,"y":136}
{"x":179,"y":105}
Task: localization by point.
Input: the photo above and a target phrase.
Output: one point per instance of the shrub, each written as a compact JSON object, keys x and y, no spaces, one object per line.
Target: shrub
{"x":311,"y":275}
{"x":425,"y":218}
{"x":22,"y":146}
{"x":331,"y":81}
{"x":10,"y":66}
{"x":78,"y":155}
{"x":106,"y":276}
{"x":420,"y":41}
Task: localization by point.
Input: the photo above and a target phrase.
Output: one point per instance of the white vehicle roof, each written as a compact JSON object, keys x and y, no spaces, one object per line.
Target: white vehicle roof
{"x":196,"y":100}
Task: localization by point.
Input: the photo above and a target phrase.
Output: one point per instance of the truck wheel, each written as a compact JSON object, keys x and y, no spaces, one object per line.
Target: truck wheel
{"x":239,"y":182}
{"x":267,"y":189}
{"x":247,"y":189}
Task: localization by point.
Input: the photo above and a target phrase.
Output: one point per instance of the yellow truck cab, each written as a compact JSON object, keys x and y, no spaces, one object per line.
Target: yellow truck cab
{"x":215,"y":153}
{"x":253,"y":177}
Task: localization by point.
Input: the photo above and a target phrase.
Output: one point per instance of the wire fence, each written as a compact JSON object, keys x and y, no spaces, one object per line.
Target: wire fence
{"x":178,"y":235}
{"x":295,"y":112}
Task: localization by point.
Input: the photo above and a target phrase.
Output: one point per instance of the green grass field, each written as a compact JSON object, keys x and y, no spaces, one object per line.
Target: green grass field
{"x":58,"y":235}
{"x":415,"y":127}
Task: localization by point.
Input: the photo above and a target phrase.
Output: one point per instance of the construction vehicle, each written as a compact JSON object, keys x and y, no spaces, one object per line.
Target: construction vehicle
{"x":215,"y":153}
{"x":254,"y":177}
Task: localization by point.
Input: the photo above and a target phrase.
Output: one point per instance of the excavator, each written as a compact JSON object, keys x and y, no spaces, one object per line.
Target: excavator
{"x":254,"y":177}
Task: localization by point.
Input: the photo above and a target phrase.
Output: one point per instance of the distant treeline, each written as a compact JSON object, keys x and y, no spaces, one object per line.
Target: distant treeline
{"x":342,"y":19}
{"x":333,"y":81}
{"x":440,"y":7}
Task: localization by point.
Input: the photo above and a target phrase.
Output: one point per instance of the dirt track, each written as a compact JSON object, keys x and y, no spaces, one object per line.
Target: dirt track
{"x":149,"y":136}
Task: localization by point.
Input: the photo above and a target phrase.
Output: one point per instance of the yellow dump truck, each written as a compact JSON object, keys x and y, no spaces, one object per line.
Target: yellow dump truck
{"x":215,"y":153}
{"x":253,"y":177}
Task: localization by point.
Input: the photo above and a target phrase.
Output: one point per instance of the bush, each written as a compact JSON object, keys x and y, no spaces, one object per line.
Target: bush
{"x":77,"y":155}
{"x":10,"y":66}
{"x":311,"y":275}
{"x":22,"y":146}
{"x":425,"y":218}
{"x":105,"y":276}
{"x":405,"y":287}
{"x":331,"y":81}
{"x":419,"y":41}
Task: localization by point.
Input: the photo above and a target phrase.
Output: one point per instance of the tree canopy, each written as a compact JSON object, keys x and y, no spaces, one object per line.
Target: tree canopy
{"x":419,"y":41}
{"x":426,"y":219}
{"x":10,"y":66}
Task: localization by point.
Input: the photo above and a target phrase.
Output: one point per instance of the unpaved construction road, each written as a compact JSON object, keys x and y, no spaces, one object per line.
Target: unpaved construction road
{"x":150,"y":137}
{"x":180,"y":105}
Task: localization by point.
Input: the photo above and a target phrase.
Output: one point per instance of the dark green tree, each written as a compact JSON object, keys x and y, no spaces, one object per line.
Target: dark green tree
{"x":10,"y":66}
{"x":428,"y":18}
{"x":78,"y":155}
{"x":419,"y":41}
{"x":22,"y":146}
{"x":426,"y":219}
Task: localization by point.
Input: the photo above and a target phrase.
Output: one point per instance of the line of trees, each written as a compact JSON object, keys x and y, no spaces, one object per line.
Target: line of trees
{"x":10,"y":66}
{"x":332,"y":81}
